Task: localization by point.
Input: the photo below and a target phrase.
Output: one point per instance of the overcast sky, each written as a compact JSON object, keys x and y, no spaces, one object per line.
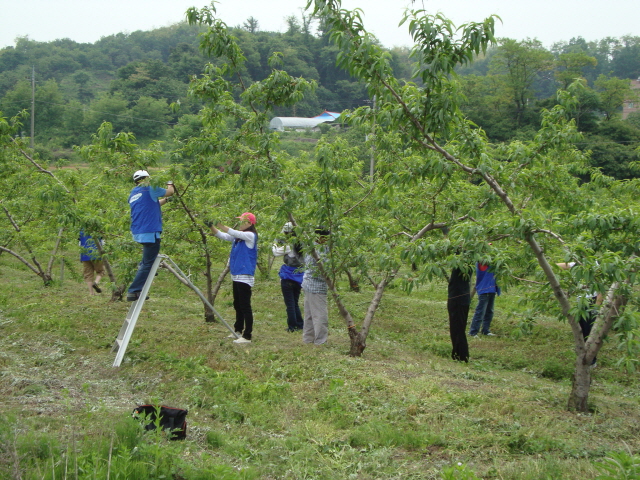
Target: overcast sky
{"x":548,"y":20}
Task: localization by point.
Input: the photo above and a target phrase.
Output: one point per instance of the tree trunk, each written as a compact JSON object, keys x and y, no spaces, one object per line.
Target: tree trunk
{"x":53,"y":256}
{"x":209,"y":316}
{"x":117,"y":293}
{"x":580,"y":386}
{"x":358,"y":343}
{"x":216,"y":287}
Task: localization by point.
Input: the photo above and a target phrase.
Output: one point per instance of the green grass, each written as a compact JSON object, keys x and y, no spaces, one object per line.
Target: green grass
{"x":278,"y":409}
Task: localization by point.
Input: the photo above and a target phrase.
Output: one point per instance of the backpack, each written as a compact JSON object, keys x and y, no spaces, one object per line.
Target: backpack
{"x":294,"y":261}
{"x":172,"y":419}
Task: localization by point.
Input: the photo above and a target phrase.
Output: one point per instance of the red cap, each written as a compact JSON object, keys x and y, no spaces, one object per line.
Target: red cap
{"x":248,"y":217}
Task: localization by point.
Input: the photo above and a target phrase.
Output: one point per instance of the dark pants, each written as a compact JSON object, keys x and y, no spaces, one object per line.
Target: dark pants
{"x":483,"y":314}
{"x":291,"y":295}
{"x":586,"y":325}
{"x":149,"y":253}
{"x":458,"y":315}
{"x":242,"y":305}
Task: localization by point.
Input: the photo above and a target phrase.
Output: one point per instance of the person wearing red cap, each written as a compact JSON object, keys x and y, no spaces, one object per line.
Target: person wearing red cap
{"x":242,"y":263}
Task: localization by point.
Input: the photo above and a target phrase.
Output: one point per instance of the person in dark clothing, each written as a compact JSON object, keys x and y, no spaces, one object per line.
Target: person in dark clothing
{"x":291,"y":274}
{"x":458,"y":302}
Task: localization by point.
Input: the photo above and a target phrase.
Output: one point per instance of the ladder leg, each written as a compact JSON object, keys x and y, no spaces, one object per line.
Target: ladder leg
{"x":122,"y":341}
{"x":200,"y":294}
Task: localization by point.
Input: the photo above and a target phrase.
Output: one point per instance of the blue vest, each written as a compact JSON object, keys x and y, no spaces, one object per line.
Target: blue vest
{"x":89,"y":251}
{"x":485,"y":280}
{"x":243,"y":260}
{"x":145,"y":212}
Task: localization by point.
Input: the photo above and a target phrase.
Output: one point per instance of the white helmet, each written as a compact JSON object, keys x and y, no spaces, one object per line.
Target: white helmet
{"x":287,"y":227}
{"x":139,"y":175}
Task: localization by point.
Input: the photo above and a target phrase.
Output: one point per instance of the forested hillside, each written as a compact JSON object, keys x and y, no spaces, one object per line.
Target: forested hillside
{"x":140,"y":81}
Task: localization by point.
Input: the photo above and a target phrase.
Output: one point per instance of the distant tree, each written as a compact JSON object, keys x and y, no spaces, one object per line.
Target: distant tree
{"x":49,"y":107}
{"x":570,"y":66}
{"x":586,"y":110}
{"x":150,"y":118}
{"x":488,"y":104}
{"x":625,"y":62}
{"x":110,"y":108}
{"x":293,"y":25}
{"x":401,"y":62}
{"x":17,"y":99}
{"x":74,"y":131}
{"x":82,"y":79}
{"x":520,"y":62}
{"x":613,"y":147}
{"x":251,"y":25}
{"x":185,"y":61}
{"x":613,"y":92}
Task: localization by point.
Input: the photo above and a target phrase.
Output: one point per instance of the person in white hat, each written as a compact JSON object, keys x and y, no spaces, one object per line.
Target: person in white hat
{"x":146,"y":225}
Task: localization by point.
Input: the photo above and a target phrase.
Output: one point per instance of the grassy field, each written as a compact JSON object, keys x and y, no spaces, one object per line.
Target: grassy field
{"x":278,"y":409}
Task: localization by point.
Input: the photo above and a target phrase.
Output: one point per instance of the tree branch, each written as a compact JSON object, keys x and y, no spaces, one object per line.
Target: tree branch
{"x":38,"y":167}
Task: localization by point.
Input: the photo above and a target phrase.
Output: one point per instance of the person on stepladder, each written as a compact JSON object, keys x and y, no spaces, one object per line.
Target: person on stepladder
{"x":146,"y":225}
{"x":242,"y":263}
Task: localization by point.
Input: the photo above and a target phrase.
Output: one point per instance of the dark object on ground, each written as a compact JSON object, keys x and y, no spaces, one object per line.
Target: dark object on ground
{"x":172,"y":419}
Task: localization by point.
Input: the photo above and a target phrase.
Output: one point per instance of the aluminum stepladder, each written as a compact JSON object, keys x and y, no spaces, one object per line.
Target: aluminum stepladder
{"x":122,"y":341}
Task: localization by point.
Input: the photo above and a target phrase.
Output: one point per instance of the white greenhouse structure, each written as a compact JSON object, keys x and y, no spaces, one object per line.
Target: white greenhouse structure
{"x":282,"y":123}
{"x":299,"y":123}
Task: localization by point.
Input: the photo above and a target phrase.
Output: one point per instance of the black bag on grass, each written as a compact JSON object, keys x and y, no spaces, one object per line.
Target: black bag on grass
{"x":172,"y":419}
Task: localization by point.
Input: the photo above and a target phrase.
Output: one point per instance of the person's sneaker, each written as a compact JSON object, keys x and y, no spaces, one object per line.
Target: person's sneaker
{"x":242,"y":340}
{"x":234,"y":335}
{"x":490,"y":334}
{"x":473,"y":336}
{"x":96,"y":288}
{"x":134,"y":296}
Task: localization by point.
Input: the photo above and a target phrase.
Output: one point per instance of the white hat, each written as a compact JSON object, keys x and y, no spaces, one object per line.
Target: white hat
{"x":139,"y":175}
{"x":287,"y":227}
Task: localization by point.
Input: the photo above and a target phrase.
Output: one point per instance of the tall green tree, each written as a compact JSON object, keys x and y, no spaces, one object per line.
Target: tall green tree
{"x":526,"y":197}
{"x":521,"y":62}
{"x":570,"y":67}
{"x":613,"y":93}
